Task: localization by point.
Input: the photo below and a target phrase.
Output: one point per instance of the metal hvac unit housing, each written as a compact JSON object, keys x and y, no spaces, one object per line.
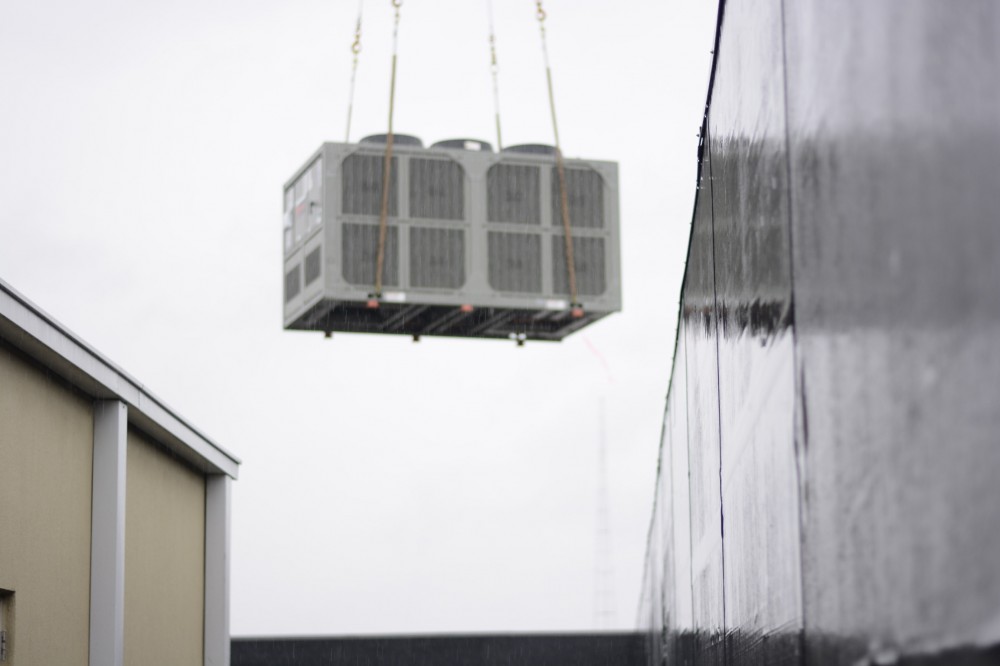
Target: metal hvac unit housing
{"x":475,"y":244}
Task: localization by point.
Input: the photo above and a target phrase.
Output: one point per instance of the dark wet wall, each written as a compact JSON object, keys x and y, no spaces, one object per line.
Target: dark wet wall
{"x":829,"y":486}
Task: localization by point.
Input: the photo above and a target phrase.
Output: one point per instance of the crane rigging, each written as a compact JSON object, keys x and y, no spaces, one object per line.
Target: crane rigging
{"x":471,"y":252}
{"x":355,"y":52}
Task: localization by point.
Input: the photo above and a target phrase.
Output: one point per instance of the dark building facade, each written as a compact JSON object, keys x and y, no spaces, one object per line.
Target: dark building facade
{"x":597,"y":649}
{"x":829,"y":486}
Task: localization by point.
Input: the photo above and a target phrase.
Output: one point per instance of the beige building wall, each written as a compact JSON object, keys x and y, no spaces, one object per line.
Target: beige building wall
{"x":46,"y":453}
{"x":164,"y":558}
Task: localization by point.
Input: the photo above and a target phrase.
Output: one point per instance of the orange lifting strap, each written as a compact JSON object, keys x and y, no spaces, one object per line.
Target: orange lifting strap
{"x":577,"y":309}
{"x":387,"y":167}
{"x":373,"y":302}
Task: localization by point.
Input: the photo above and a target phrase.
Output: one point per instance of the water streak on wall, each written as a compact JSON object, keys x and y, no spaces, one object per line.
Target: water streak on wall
{"x":828,"y":489}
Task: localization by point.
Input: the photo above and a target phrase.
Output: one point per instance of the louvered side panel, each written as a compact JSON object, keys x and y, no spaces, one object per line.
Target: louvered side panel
{"x":437,"y":190}
{"x":585,"y":194}
{"x":588,"y":259}
{"x":437,"y":258}
{"x":362,"y":185}
{"x":360,"y":252}
{"x":515,"y":262}
{"x":513,"y":194}
{"x":313,"y":266}
{"x":293,"y":282}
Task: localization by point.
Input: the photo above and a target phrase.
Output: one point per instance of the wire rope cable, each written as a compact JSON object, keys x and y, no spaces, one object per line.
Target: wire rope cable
{"x":576,"y":308}
{"x":494,"y":69}
{"x":387,"y":167}
{"x":355,"y":51}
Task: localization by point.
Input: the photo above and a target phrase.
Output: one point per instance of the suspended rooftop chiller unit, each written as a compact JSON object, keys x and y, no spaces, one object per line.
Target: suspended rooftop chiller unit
{"x":474,"y":243}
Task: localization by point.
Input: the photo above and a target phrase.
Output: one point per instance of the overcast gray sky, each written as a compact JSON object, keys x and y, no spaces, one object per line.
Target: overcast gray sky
{"x":386,"y":486}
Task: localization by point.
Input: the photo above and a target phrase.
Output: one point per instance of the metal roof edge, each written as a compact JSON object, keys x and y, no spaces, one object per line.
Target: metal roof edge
{"x":37,"y":334}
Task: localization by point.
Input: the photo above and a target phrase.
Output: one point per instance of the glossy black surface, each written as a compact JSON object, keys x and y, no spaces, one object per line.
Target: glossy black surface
{"x":607,"y":649}
{"x":746,"y":135}
{"x":829,"y":487}
{"x":896,"y":219}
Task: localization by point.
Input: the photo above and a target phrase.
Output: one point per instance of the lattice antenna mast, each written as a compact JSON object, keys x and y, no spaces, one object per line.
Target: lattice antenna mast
{"x":605,"y":610}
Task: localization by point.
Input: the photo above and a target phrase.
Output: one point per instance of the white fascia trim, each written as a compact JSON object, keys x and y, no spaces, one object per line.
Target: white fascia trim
{"x":30,"y":329}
